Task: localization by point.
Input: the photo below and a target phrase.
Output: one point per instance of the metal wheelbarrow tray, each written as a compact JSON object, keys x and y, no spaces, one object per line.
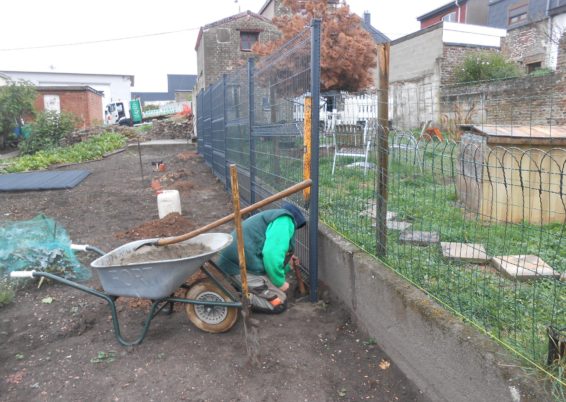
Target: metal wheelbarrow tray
{"x":156,"y":279}
{"x":211,"y":304}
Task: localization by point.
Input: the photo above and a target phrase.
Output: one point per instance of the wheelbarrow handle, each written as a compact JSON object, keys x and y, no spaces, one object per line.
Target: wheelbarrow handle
{"x":275,"y":197}
{"x":22,"y":274}
{"x":86,"y":247}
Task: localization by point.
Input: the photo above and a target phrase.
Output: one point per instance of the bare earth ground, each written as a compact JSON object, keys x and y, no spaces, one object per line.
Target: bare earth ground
{"x":312,"y":352}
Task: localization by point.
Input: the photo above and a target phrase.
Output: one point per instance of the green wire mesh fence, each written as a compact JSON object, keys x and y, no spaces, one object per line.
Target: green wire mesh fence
{"x":476,"y":206}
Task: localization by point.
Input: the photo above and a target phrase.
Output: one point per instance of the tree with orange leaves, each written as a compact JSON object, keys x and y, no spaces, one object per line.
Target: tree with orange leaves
{"x":348,"y":52}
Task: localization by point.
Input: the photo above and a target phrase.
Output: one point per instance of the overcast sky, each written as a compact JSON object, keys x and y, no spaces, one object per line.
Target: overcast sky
{"x":41,"y":23}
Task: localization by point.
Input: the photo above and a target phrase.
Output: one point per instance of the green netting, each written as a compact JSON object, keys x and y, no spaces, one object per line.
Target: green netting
{"x":40,"y":244}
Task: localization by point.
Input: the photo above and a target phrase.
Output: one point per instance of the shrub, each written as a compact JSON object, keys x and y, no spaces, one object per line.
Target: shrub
{"x":486,"y":66}
{"x":541,"y":72}
{"x":47,"y":130}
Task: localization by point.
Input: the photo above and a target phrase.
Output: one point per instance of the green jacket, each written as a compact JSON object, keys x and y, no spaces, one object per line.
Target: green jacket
{"x":268,"y":236}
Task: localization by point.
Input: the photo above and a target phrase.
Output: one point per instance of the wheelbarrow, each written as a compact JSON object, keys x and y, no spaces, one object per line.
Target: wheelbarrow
{"x":211,"y":304}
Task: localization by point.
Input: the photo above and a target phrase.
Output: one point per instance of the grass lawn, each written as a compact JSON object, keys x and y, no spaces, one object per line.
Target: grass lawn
{"x":517,"y":313}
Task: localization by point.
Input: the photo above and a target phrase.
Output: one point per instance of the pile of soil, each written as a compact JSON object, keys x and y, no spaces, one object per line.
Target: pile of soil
{"x":182,"y":185}
{"x":172,"y":225}
{"x":177,"y":127}
{"x":162,"y":253}
{"x":186,"y":155}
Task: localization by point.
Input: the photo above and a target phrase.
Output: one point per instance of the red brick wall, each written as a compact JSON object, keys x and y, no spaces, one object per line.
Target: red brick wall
{"x":87,"y":106}
{"x":437,"y":18}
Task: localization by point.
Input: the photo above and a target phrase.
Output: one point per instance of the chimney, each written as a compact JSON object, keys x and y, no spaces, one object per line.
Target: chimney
{"x":367,"y":18}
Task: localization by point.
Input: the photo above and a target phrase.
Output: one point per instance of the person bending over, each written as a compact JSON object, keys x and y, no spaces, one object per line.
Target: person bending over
{"x":269,"y":240}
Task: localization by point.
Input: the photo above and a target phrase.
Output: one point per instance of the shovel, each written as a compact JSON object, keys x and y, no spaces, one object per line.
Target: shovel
{"x":275,"y":197}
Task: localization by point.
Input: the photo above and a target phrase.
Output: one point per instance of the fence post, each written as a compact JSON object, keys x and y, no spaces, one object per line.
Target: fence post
{"x":383,"y":150}
{"x":251,"y":120}
{"x":313,"y":210}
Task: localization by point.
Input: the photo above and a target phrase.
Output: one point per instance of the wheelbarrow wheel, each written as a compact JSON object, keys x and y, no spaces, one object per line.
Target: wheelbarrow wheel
{"x":213,"y":319}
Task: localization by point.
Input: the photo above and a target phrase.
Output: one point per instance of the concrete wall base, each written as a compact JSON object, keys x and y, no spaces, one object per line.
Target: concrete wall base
{"x":447,"y":359}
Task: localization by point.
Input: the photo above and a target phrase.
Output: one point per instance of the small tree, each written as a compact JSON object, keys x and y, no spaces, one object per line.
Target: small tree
{"x":16,"y":100}
{"x":348,"y":52}
{"x":486,"y":66}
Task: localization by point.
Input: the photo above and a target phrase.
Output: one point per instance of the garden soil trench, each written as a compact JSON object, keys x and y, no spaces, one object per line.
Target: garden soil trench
{"x":67,"y":350}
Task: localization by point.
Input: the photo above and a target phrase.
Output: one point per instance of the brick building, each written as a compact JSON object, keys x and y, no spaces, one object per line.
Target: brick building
{"x":473,"y":12}
{"x":225,"y":45}
{"x":534,"y":29}
{"x":82,"y":101}
{"x":424,"y":61}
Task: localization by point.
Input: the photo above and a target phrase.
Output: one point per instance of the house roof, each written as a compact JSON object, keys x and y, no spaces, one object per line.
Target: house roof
{"x":440,"y":9}
{"x":226,"y":20}
{"x":378,"y":36}
{"x":262,"y":9}
{"x":129,"y":76}
{"x":68,"y":88}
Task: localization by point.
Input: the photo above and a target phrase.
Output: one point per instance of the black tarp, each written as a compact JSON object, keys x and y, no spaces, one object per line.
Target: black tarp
{"x":50,"y":180}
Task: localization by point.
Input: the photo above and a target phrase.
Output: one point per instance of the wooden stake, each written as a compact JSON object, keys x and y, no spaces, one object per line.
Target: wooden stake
{"x":251,"y":336}
{"x":307,"y":147}
{"x":239,"y":233}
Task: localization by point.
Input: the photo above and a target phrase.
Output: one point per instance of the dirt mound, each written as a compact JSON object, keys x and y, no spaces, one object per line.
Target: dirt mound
{"x":172,"y":225}
{"x":186,"y":155}
{"x":183,"y":185}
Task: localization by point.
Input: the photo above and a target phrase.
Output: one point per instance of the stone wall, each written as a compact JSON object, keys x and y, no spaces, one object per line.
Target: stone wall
{"x":452,"y":58}
{"x":561,"y":62}
{"x":527,"y":44}
{"x":518,"y":101}
{"x":221,"y":51}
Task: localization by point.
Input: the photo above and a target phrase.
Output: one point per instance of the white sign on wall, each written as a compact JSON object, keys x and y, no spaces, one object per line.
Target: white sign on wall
{"x":51,"y":103}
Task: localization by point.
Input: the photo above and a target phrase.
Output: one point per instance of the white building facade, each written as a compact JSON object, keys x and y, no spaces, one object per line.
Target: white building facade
{"x":116,"y":87}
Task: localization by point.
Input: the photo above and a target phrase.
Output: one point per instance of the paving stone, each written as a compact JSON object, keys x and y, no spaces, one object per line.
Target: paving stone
{"x":361,"y":165}
{"x":523,"y":267}
{"x":372,"y":213}
{"x":419,"y":238}
{"x":468,"y":252}
{"x":398,"y":225}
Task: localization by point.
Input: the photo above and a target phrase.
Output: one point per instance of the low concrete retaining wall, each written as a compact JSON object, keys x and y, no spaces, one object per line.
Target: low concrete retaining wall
{"x":446,"y":358}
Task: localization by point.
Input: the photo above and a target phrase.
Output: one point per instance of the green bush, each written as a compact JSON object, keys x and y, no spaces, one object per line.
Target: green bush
{"x":541,"y":72}
{"x":91,"y":149}
{"x":47,"y":130}
{"x":486,"y":66}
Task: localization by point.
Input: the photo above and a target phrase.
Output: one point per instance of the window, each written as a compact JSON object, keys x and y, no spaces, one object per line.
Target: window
{"x":532,"y":67}
{"x":518,"y":13}
{"x":51,"y":103}
{"x":450,"y":17}
{"x":247,"y":40}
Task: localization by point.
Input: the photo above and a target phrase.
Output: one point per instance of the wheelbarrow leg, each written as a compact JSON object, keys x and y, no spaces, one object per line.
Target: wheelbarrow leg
{"x":155,"y":307}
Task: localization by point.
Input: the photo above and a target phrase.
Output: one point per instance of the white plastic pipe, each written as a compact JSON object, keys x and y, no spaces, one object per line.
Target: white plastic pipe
{"x":22,"y":274}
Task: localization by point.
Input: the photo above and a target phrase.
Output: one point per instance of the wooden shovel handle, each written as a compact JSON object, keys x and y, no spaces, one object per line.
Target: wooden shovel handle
{"x":275,"y":197}
{"x":239,"y":231}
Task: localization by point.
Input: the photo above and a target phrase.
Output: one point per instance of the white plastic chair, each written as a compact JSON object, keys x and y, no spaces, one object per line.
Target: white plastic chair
{"x":349,"y":150}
